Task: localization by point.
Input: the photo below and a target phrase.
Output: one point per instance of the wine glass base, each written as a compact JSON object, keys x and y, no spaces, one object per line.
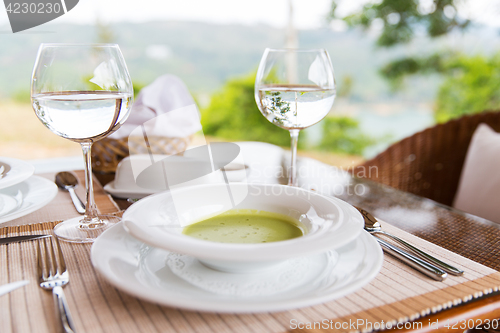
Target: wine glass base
{"x":74,"y":231}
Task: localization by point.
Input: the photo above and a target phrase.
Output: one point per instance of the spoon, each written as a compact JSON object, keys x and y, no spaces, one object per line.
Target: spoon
{"x":373,"y":226}
{"x":67,"y":181}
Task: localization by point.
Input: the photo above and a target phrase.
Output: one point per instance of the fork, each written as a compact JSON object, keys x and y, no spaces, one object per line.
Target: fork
{"x":53,"y":275}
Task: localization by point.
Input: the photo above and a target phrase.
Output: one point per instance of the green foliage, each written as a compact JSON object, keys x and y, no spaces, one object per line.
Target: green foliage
{"x":345,"y":86}
{"x":412,"y":65}
{"x":104,"y":33}
{"x":279,"y":108}
{"x":22,"y":96}
{"x":472,"y":85}
{"x":401,"y":18}
{"x":342,"y":135}
{"x":137,"y":86}
{"x":233,"y":115}
{"x":397,"y":70}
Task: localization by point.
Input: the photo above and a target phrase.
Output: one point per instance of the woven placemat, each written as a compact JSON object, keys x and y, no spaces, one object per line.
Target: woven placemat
{"x":397,"y":294}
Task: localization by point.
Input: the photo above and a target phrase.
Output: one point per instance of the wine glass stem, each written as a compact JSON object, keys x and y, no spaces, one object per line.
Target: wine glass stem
{"x":292,"y":174}
{"x":91,"y":214}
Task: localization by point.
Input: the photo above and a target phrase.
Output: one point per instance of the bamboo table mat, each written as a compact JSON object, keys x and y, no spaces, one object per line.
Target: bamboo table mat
{"x":396,"y":295}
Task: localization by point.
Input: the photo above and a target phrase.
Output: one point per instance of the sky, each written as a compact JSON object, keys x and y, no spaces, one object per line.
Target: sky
{"x":272,"y":12}
{"x":308,"y":14}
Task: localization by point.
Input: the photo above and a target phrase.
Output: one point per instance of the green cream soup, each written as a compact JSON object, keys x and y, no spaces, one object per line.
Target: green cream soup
{"x":246,"y":226}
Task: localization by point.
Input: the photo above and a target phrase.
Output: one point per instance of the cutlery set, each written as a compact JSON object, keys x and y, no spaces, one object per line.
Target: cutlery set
{"x":52,"y":274}
{"x":421,"y":261}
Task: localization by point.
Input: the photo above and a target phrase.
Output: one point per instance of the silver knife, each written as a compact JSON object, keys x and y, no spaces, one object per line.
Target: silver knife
{"x":415,"y":262}
{"x":7,"y":288}
{"x":7,"y":240}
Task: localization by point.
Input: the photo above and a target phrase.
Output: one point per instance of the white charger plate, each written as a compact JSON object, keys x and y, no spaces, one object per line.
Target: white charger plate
{"x":142,"y":271}
{"x":15,"y":171}
{"x":36,"y":192}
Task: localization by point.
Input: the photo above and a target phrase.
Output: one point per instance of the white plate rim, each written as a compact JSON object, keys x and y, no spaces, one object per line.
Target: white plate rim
{"x":35,"y":183}
{"x":19,"y":171}
{"x":222,"y":305}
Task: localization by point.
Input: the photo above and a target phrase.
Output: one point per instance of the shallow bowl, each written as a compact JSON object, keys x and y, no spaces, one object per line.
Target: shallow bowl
{"x":158,"y":220}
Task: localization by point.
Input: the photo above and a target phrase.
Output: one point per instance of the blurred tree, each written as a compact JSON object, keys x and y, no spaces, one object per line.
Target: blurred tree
{"x":137,"y":86}
{"x":397,"y":70}
{"x":345,"y":87}
{"x":402,"y":18}
{"x":21,"y":96}
{"x":342,"y":135}
{"x":104,"y":33}
{"x":471,"y":83}
{"x":233,"y":115}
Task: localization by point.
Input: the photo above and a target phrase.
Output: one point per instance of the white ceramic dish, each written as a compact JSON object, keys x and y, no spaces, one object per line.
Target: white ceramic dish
{"x":128,"y":192}
{"x":15,"y":171}
{"x":158,"y":220}
{"x":236,"y":172}
{"x":138,"y":176}
{"x":36,"y":192}
{"x":124,"y":185}
{"x":141,"y":271}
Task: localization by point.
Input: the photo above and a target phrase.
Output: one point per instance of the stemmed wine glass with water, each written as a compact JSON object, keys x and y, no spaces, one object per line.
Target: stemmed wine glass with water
{"x":295,"y":89}
{"x":82,"y":92}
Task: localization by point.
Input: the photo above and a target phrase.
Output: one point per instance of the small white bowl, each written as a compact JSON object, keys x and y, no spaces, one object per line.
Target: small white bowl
{"x":140,"y":175}
{"x":236,"y":172}
{"x":158,"y":220}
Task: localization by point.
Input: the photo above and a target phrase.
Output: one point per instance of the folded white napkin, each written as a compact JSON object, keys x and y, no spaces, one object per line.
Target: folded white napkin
{"x":165,"y":108}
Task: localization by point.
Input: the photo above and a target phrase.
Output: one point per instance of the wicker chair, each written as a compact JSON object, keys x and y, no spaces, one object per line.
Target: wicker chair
{"x":429,"y":163}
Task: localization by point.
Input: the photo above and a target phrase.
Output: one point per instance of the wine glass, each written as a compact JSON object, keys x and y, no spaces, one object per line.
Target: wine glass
{"x":295,"y":89}
{"x":82,"y":92}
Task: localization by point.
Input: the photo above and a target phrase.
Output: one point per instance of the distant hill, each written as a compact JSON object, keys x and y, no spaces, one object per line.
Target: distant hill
{"x":206,"y":55}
